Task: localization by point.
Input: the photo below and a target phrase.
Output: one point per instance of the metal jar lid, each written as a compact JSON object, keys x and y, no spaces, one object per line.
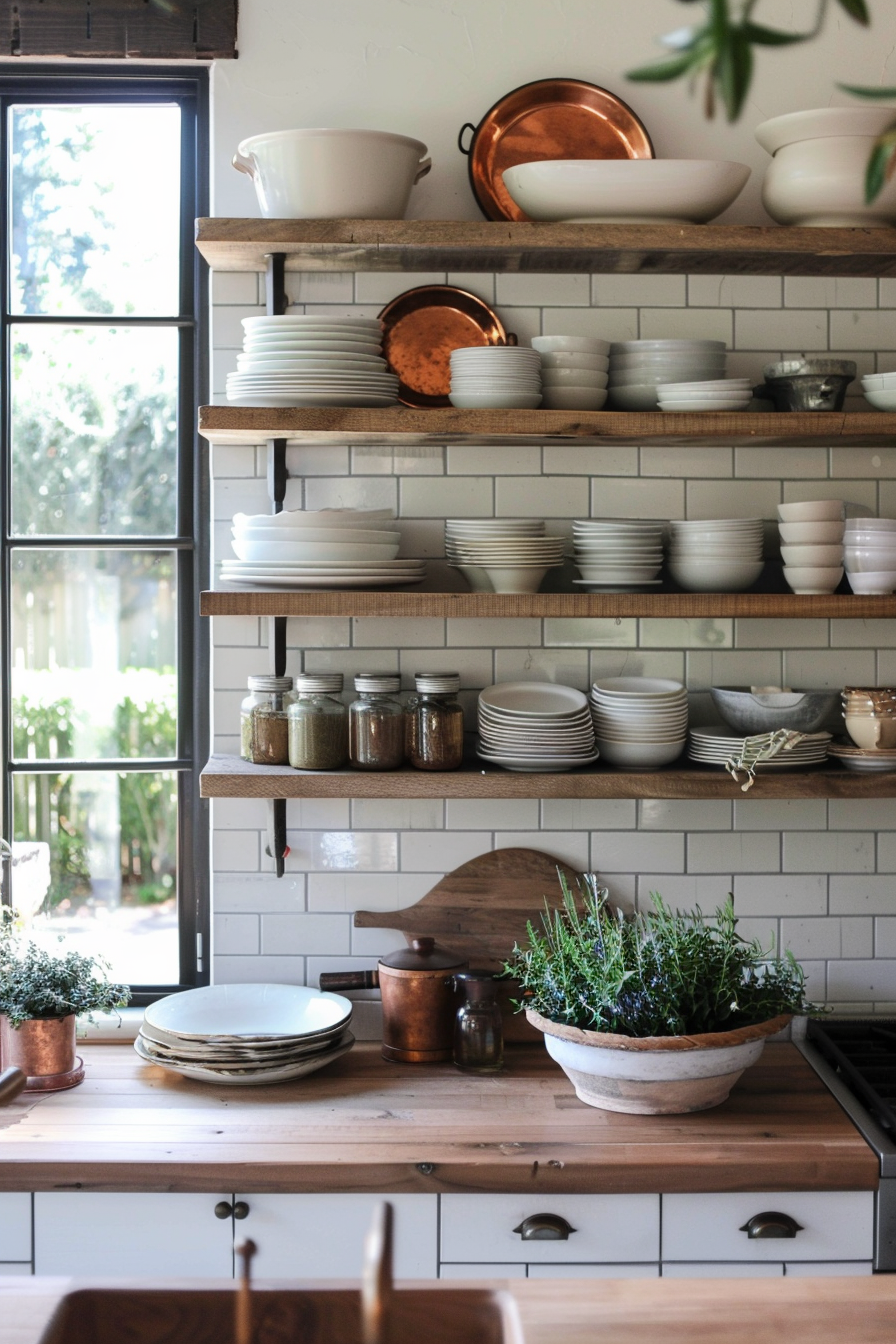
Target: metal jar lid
{"x":424,"y":954}
{"x":274,"y":685}
{"x":326,"y":683}
{"x":437,"y":683}
{"x":385,"y":683}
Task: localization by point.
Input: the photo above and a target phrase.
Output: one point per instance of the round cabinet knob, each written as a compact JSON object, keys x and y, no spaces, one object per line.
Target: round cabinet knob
{"x":544,"y":1227}
{"x":223,"y":1209}
{"x":763,"y":1226}
{"x":241,"y":1209}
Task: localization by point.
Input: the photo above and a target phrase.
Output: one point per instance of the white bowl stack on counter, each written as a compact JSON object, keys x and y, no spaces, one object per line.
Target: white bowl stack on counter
{"x":637,"y":368}
{"x":811,"y":533}
{"x":535,"y":726}
{"x":573,"y":372}
{"x":326,"y":548}
{"x":719,"y":394}
{"x":640,"y":723}
{"x":312,"y":361}
{"x":869,"y":553}
{"x":880,"y":390}
{"x":722,"y":555}
{"x":494,"y":377}
{"x":246,"y":1035}
{"x":502,"y":555}
{"x":715,"y":746}
{"x":614,"y":554}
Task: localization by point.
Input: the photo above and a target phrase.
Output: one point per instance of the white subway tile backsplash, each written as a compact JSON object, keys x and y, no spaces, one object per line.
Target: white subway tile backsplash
{"x":583,"y":814}
{"x":247,"y":970}
{"x":862,"y":895}
{"x":473,"y":632}
{"x":590,"y":632}
{"x":734,"y":291}
{"x":259,"y":893}
{"x":829,"y":938}
{"x":351,"y":851}
{"x":305,"y":935}
{"x":548,"y":497}
{"x":236,"y":935}
{"x":819,"y":291}
{"x":398,"y":814}
{"x":440,"y":851}
{"x":788,"y":895}
{"x":788,"y":328}
{"x":695,"y":324}
{"x":492,"y":814}
{"x":644,"y":498}
{"x":634,"y":851}
{"x":518,"y":459}
{"x":448,"y":497}
{"x":678,"y":462}
{"x":542,"y":290}
{"x":868,"y":329}
{"x":791,"y":814}
{"x":663,"y":814}
{"x":862,"y":979}
{"x":654,"y":291}
{"x":707,"y":632}
{"x":829,"y":852}
{"x":570,"y":847}
{"x":608,"y":324}
{"x":568,"y":667}
{"x":684,"y":891}
{"x":754,"y":633}
{"x":734,"y":851}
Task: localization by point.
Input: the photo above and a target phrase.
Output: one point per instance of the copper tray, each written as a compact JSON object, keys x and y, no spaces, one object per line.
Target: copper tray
{"x":548,"y":119}
{"x":420,"y":329}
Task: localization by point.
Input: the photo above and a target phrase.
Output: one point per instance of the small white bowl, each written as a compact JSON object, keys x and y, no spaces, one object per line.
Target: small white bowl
{"x":288,"y":552}
{"x":870,"y":525}
{"x":640,"y":755}
{"x":882,"y":399}
{"x":812,"y":579}
{"x":874,"y":584}
{"x":516,"y":578}
{"x":664,"y":344}
{"x":583,"y":345}
{"x":812,"y":511}
{"x":572,"y":378}
{"x":704,"y":405}
{"x":475,"y":401}
{"x":572,"y":359}
{"x":812,"y":555}
{"x":574,"y":398}
{"x":796,"y":534}
{"x":715,"y":576}
{"x":642,"y":397}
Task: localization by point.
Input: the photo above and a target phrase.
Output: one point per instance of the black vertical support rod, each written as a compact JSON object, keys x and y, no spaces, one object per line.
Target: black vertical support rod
{"x":276,"y":303}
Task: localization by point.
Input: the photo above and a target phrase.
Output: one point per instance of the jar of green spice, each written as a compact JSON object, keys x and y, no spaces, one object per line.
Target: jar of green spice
{"x":318,"y":723}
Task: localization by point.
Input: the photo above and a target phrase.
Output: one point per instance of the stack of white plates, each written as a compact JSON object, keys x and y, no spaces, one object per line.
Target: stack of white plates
{"x":638,"y":367}
{"x":618,"y":553}
{"x":246,"y":1035}
{"x":713,"y":746}
{"x":502,"y":555}
{"x":573,"y":372}
{"x":720,"y":555}
{"x":312,"y":361}
{"x":535,"y":726}
{"x":719,"y":394}
{"x":640,"y":723}
{"x":328,"y":548}
{"x":493,"y":376}
{"x":880,"y":390}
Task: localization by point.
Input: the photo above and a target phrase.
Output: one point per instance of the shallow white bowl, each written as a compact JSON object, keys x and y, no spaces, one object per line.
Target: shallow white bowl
{"x":354,"y":536}
{"x":813,"y":579}
{"x":248,"y":1011}
{"x":882,"y":399}
{"x":626,"y":688}
{"x":812,"y":555}
{"x":572,"y":359}
{"x":475,"y":401}
{"x":316,"y":518}
{"x":516,"y":578}
{"x":626,"y":190}
{"x":536,"y":698}
{"x":711,"y":385}
{"x":794,"y":534}
{"x":812,"y":511}
{"x":703,"y":405}
{"x":574,"y":398}
{"x":640,"y":755}
{"x":619,"y":574}
{"x":873,"y":584}
{"x":290,"y":552}
{"x":677,"y":369}
{"x":583,"y":345}
{"x":573,"y":378}
{"x":662,"y":345}
{"x":716,"y":576}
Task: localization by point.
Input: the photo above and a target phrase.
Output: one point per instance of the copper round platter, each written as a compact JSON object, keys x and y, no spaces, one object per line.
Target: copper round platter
{"x":548,"y":119}
{"x":420,"y":329}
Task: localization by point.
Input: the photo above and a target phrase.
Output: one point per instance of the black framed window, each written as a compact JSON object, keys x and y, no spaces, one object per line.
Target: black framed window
{"x":104,"y":526}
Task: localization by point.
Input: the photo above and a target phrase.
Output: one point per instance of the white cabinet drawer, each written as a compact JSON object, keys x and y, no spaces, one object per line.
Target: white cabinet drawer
{"x":594,"y":1271}
{"x":322,"y":1236}
{"x":15,"y":1269}
{"x":724,"y":1269}
{"x":466,"y":1271}
{"x":15,"y":1226}
{"x":608,"y":1228}
{"x":836,"y":1225}
{"x":827,"y":1269}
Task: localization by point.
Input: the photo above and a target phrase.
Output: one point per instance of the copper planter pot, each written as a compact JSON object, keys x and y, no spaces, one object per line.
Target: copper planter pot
{"x":44,"y":1049}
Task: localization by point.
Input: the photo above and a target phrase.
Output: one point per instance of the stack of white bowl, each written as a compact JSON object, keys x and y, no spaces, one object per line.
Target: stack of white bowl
{"x":719,"y":394}
{"x":502,"y":555}
{"x":638,"y":367}
{"x":618,"y":553}
{"x":880,"y":390}
{"x":721,"y":555}
{"x":640,"y":723}
{"x":535,"y":726}
{"x":312,"y":361}
{"x":869,"y":551}
{"x":485,"y":377}
{"x":326,"y":548}
{"x":573,"y":372}
{"x":811,"y":534}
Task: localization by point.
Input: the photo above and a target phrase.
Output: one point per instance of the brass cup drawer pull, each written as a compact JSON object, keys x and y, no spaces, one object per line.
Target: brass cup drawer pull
{"x":764,"y":1226}
{"x":240,"y":1209}
{"x":544,"y":1227}
{"x":223,"y":1209}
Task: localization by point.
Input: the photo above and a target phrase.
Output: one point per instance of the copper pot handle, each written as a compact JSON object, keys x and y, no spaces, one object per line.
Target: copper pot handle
{"x":467,"y":126}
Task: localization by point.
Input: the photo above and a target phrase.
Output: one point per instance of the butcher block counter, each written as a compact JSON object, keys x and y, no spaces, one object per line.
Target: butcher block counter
{"x":365,"y":1125}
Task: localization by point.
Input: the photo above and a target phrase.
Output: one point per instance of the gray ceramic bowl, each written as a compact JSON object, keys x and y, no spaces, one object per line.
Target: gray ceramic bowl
{"x":746,"y":712}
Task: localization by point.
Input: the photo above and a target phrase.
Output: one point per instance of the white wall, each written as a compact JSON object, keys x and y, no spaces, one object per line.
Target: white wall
{"x":819,"y":876}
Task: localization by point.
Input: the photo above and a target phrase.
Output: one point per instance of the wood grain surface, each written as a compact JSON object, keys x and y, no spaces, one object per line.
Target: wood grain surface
{"x":363,"y":1124}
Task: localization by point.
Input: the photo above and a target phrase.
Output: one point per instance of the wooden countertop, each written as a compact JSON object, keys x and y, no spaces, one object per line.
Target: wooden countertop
{"x":717,"y":1311}
{"x":366,"y":1125}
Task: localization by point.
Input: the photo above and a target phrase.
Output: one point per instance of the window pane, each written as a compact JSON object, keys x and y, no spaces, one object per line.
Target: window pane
{"x":95,"y":209}
{"x":112,"y":841}
{"x":94,"y":431}
{"x":93,"y":654}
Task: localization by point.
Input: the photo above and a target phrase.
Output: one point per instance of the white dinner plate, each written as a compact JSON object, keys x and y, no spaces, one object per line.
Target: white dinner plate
{"x":254,"y":1011}
{"x":310,"y":399}
{"x":302,"y":581}
{"x":527,"y":764}
{"x":533,"y":699}
{"x":261,"y":1077}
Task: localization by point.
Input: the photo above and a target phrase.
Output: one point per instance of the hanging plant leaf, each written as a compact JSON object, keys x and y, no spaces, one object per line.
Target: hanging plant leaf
{"x":663,"y":71}
{"x":881,"y":165}
{"x":856,"y":9}
{"x":760,"y":36}
{"x":862,"y":91}
{"x":734,"y":72}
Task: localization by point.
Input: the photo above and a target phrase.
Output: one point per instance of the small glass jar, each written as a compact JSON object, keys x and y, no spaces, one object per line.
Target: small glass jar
{"x":318,"y":723}
{"x":478,"y":1031}
{"x":264,"y":730}
{"x":434,"y":723}
{"x":376,"y":723}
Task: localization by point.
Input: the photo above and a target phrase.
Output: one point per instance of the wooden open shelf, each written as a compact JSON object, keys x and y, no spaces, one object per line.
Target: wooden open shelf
{"x":402,"y":426}
{"x":483,"y":245}
{"x":231,"y":777}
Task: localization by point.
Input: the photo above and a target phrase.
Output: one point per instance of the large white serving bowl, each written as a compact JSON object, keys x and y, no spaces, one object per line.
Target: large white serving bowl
{"x":648,"y":358}
{"x":815,"y":579}
{"x":661,"y":373}
{"x":882,"y":399}
{"x":574,"y":398}
{"x":332,"y":174}
{"x":813,"y":555}
{"x":364,"y":518}
{"x":878,"y":583}
{"x":716,"y":576}
{"x":664,"y":344}
{"x":582,"y":345}
{"x":812,"y":511}
{"x":640,"y":755}
{"x":253,"y":1011}
{"x":795,"y":534}
{"x":572,"y":359}
{"x":573,"y":378}
{"x":533,"y":698}
{"x":354,"y":536}
{"x":296,"y":552}
{"x":672,"y":191}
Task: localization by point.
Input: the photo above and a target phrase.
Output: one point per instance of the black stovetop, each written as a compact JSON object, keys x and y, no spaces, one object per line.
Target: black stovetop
{"x":862,"y":1052}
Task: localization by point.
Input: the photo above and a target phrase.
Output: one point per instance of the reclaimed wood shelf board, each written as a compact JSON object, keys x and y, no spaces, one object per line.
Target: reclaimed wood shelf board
{"x":485,"y":245}
{"x":696,"y":606}
{"x":232,"y":777}
{"x":405,"y":426}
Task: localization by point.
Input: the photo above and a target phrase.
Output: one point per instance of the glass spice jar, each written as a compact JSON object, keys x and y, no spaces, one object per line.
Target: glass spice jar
{"x":434,"y":722}
{"x":318,"y":723}
{"x":376,"y":723}
{"x":478,"y":1031}
{"x":264,"y":730}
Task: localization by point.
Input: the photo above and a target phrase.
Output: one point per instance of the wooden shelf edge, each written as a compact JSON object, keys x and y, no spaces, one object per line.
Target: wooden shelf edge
{"x":231,"y":777}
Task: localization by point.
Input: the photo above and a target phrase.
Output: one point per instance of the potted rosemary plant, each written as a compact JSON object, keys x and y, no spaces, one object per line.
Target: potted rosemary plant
{"x":655,"y":1013}
{"x":40,"y":997}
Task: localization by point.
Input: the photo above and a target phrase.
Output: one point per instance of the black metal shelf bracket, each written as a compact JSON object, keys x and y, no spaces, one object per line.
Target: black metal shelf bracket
{"x":276,"y":303}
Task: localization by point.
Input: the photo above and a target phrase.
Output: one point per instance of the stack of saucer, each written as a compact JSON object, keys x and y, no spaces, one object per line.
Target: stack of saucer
{"x":502,"y":555}
{"x":495,"y":376}
{"x":535,"y":726}
{"x":722,"y":555}
{"x":573,"y":372}
{"x":618,"y":553}
{"x":719,"y":394}
{"x":640,"y":723}
{"x":713,"y":746}
{"x":638,"y":367}
{"x":312,"y":361}
{"x":812,"y":544}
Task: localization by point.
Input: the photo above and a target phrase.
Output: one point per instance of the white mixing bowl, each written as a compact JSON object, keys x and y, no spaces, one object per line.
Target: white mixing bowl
{"x":674,"y":191}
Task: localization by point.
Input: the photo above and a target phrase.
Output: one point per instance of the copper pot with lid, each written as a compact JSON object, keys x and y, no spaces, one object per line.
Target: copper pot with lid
{"x":419,"y":999}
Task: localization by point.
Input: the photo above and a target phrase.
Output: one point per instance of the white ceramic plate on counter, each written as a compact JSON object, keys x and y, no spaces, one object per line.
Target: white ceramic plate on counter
{"x":260,"y":1078}
{"x":248,"y":1012}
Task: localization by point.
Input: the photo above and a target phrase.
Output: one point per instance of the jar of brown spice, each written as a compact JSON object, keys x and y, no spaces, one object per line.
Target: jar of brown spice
{"x":376,"y":723}
{"x":434,"y":722}
{"x":264,"y":732}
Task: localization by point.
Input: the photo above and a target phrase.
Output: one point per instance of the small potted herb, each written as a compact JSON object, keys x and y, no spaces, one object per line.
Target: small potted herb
{"x":654,"y":1013}
{"x":40,"y":997}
